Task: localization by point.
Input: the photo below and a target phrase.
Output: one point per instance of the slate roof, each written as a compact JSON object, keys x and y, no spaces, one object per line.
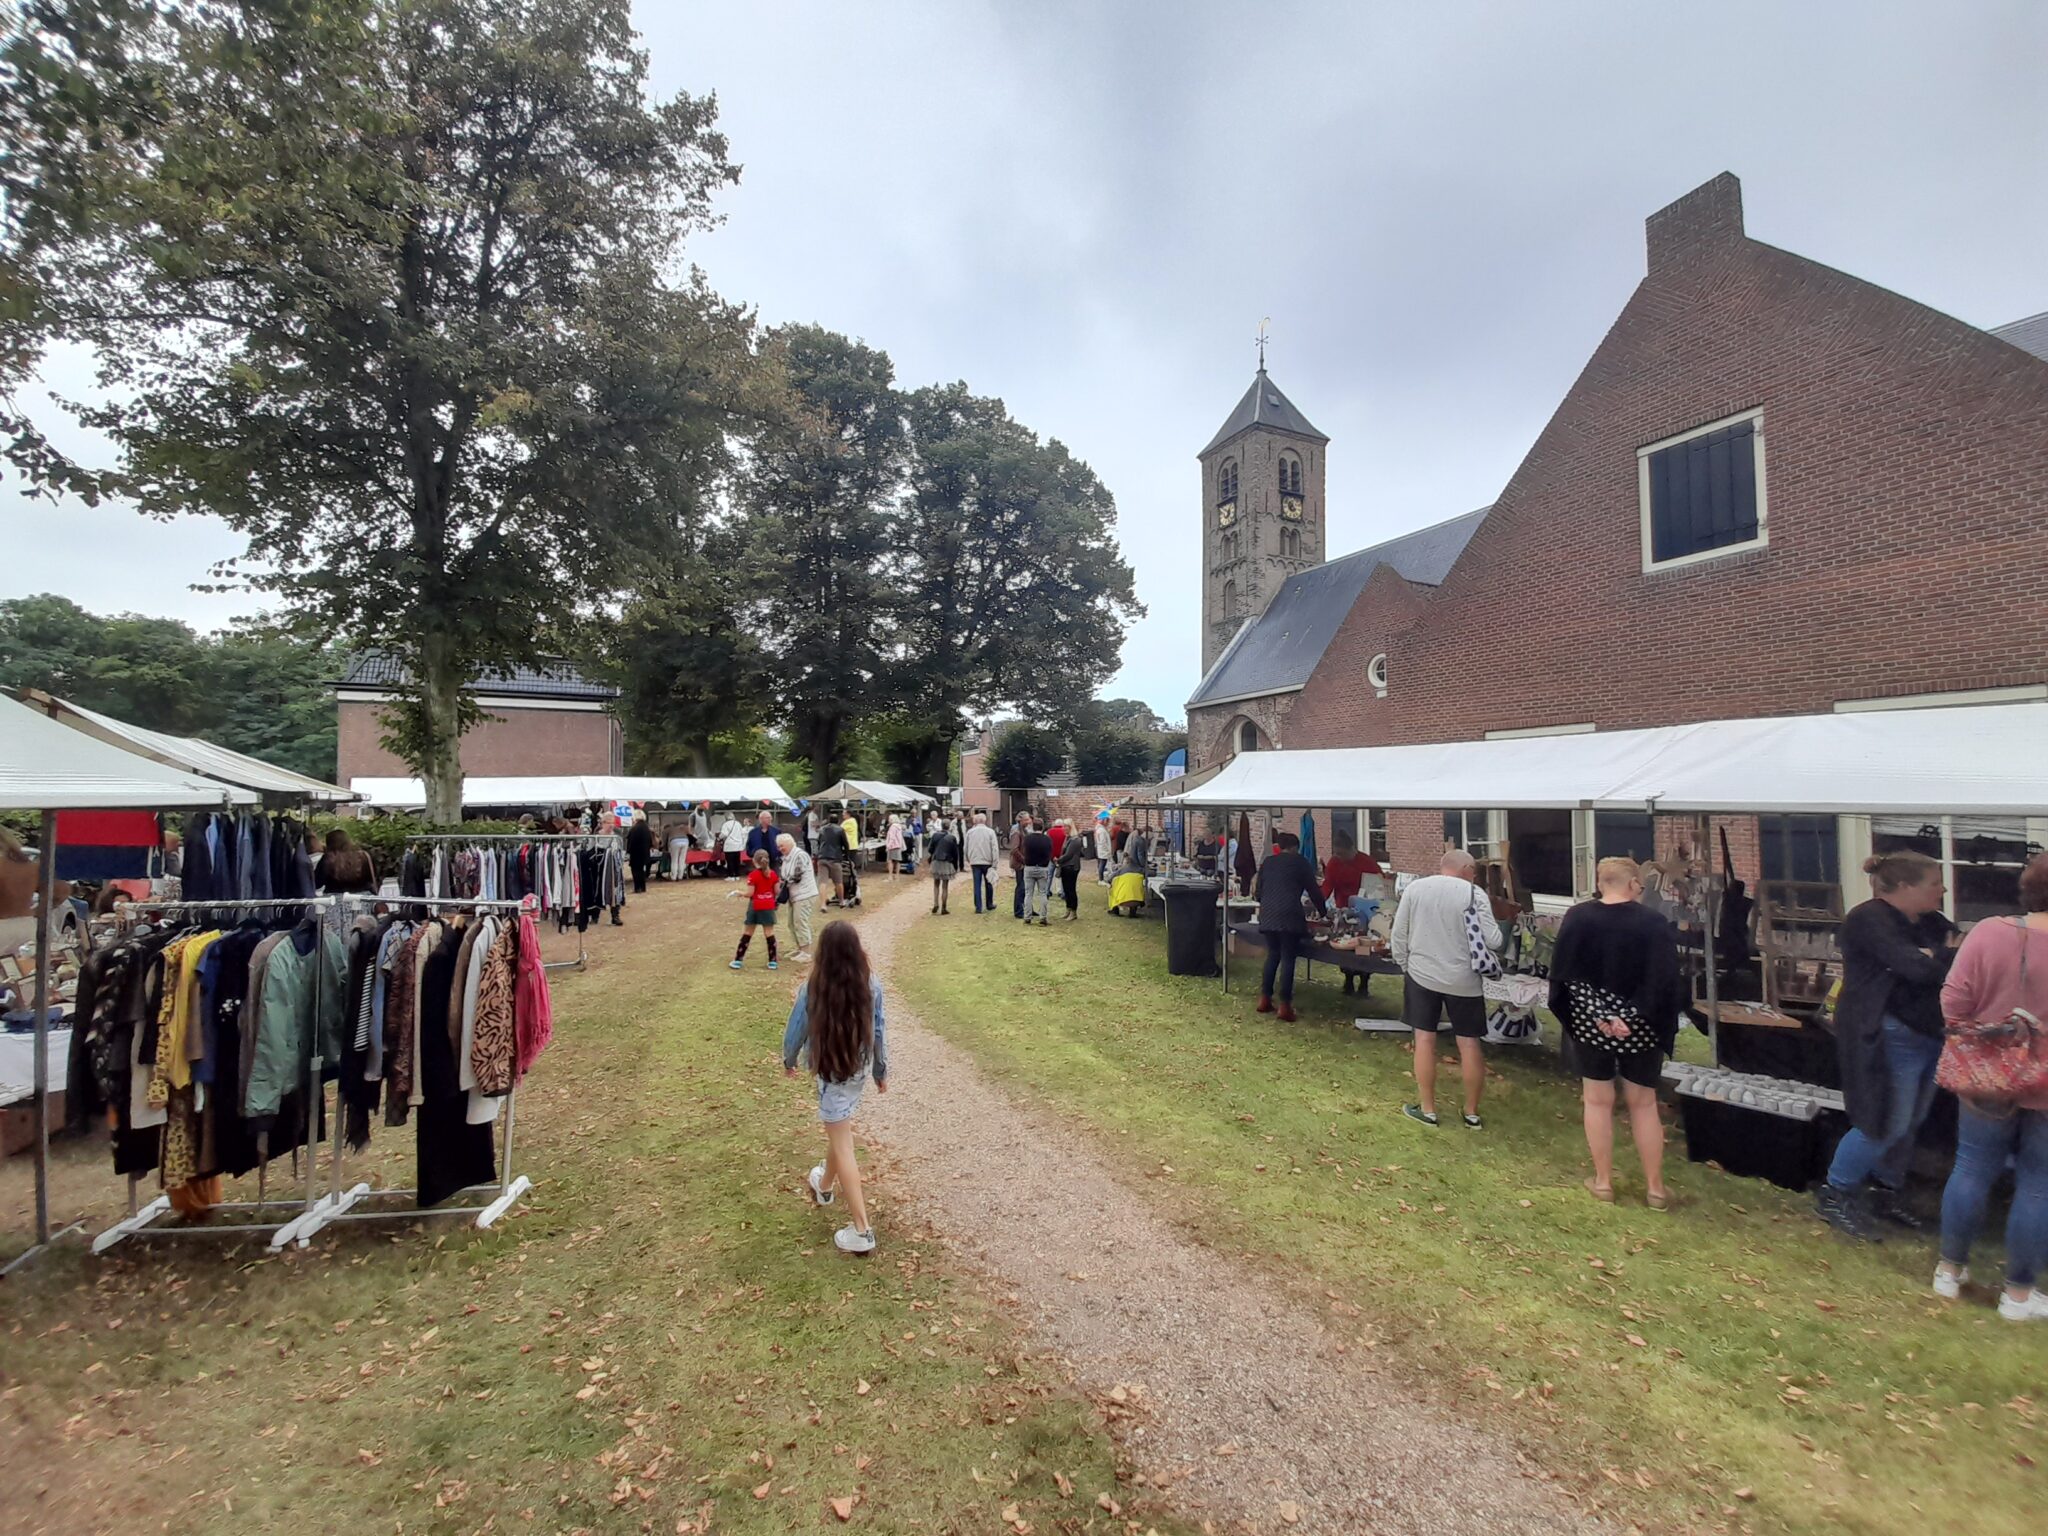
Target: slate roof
{"x":1264,"y":406}
{"x":1276,"y":652}
{"x":552,"y":680}
{"x":2029,"y":335}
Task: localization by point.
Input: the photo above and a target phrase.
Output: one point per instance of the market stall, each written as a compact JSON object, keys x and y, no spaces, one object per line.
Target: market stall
{"x":581,"y":789}
{"x":48,"y":767}
{"x":1962,"y":761}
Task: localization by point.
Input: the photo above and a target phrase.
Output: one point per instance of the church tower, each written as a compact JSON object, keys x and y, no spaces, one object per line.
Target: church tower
{"x":1262,"y":510}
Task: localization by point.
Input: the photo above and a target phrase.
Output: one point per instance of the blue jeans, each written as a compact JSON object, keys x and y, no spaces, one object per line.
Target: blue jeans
{"x":1282,"y":950}
{"x":1910,"y":1059}
{"x":1982,"y":1146}
{"x":982,"y":883}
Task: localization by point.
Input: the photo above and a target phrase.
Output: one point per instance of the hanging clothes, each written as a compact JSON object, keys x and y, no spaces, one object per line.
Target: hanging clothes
{"x":452,"y":1154}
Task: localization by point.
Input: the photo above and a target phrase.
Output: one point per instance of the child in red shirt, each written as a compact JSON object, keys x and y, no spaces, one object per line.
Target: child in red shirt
{"x":762,"y":885}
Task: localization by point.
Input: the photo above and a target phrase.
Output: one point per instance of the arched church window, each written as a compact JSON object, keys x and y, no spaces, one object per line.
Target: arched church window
{"x":1290,"y":543}
{"x":1226,"y":481}
{"x":1290,"y":475}
{"x":1247,"y":737}
{"x":1230,"y":599}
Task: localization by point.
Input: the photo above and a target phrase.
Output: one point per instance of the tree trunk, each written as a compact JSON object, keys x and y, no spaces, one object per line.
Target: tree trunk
{"x":826,"y":733}
{"x":700,"y":759}
{"x":441,"y":737}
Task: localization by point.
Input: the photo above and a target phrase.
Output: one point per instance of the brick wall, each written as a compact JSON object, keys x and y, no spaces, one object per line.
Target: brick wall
{"x":976,"y":793}
{"x":516,"y":742}
{"x":1905,"y":463}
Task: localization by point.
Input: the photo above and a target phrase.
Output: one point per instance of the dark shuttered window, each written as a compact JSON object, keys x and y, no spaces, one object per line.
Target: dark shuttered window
{"x":1703,"y":493}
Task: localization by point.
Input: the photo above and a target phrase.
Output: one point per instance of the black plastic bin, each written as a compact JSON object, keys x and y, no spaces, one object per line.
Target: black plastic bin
{"x":1754,"y":1145}
{"x":1190,"y":926}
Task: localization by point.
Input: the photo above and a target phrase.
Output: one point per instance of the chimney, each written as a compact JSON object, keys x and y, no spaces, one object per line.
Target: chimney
{"x":1700,"y":224}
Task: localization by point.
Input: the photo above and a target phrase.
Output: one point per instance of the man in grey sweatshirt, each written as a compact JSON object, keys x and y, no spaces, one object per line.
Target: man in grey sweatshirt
{"x":1434,"y":950}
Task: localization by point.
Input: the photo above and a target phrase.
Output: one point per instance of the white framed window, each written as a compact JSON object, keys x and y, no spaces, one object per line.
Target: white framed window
{"x":1981,"y":856}
{"x":1702,"y":492}
{"x":1472,"y":831}
{"x":1369,"y":836}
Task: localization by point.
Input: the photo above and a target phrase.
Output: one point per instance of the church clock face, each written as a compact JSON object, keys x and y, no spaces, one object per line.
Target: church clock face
{"x":1290,"y":508}
{"x":1226,"y":514}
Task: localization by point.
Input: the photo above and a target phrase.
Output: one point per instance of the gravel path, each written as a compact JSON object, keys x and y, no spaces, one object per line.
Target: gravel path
{"x":1241,"y":1409}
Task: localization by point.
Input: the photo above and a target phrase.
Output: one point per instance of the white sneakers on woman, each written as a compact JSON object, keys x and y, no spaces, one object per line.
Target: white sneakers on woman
{"x":853,"y":1240}
{"x":2031,"y":1308}
{"x":816,"y":1180}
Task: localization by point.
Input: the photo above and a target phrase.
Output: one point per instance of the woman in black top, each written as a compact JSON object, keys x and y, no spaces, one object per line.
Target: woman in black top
{"x":1621,"y":947}
{"x":1896,"y":950}
{"x":1283,"y":880}
{"x":344,"y":867}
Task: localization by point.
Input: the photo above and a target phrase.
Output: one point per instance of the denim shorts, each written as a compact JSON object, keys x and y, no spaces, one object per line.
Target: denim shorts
{"x":838,"y":1101}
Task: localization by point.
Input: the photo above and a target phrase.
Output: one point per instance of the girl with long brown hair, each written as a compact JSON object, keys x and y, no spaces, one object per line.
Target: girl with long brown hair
{"x":838,"y":1016}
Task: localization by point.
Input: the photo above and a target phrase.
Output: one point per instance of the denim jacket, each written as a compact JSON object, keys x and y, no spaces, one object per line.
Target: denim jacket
{"x":798,"y":1033}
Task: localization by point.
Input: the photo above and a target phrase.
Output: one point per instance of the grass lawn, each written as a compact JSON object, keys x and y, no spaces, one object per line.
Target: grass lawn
{"x":664,"y":1340}
{"x":1729,"y":1363}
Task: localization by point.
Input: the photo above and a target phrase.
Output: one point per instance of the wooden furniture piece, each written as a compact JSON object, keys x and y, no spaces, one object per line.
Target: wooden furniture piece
{"x":1797,"y":927}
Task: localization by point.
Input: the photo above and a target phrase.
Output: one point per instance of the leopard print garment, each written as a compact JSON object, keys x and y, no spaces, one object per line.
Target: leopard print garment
{"x":490,"y":1046}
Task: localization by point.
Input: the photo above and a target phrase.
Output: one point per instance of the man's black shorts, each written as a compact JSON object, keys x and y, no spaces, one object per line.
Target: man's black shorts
{"x":1421,"y":1008}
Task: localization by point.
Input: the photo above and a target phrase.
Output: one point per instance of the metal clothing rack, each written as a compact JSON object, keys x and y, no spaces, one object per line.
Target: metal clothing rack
{"x":582,"y":953}
{"x":141,"y":1220}
{"x":338,"y":1204}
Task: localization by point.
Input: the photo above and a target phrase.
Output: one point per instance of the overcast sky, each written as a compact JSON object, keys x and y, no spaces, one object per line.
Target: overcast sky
{"x":1087,"y":209}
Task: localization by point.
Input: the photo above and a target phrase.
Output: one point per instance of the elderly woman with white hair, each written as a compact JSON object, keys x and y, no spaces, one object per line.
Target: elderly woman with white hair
{"x":800,"y":876}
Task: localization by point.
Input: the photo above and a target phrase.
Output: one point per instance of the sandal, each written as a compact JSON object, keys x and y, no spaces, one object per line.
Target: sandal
{"x":1604,"y":1193}
{"x":1658,"y":1202}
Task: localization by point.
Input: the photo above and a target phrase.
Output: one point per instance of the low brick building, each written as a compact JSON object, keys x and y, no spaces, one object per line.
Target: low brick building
{"x":543,"y":720}
{"x":1774,"y":489}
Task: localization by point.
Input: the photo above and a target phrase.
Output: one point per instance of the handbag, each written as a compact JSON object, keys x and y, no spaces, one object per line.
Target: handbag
{"x":1484,"y":960}
{"x":2002,"y":1061}
{"x":1590,"y":1004}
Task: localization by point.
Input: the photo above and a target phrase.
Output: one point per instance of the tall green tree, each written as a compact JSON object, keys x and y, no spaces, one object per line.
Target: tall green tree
{"x":1023,"y":755}
{"x":820,"y":495}
{"x":390,"y":297}
{"x":1112,"y":755}
{"x":260,"y":689}
{"x":79,"y":94}
{"x":145,"y":671}
{"x":1013,"y":591}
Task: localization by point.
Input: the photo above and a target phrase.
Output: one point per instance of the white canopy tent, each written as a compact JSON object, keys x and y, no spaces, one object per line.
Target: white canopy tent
{"x":579,"y":789}
{"x":190,"y":754}
{"x":875,"y":790}
{"x":48,"y":767}
{"x":1989,"y":760}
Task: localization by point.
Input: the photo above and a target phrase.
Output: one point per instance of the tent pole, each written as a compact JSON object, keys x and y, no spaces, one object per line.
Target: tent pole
{"x":47,"y":886}
{"x":1702,"y":838}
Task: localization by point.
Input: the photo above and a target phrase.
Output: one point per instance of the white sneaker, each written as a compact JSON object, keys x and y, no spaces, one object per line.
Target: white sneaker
{"x":816,"y":1179}
{"x":2031,"y":1308}
{"x":1948,"y":1285}
{"x":853,"y":1240}
{"x":801,"y":957}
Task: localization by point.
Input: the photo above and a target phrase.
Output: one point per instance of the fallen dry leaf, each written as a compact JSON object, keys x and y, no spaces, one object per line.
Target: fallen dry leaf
{"x":1065,"y":1484}
{"x":1290,"y":1511}
{"x":761,"y":1490}
{"x":1104,"y":1501}
{"x":1637,"y":1340}
{"x":843,"y":1508}
{"x":861,"y":1388}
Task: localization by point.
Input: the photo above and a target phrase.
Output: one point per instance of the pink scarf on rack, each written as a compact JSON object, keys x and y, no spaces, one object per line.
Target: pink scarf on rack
{"x":533,"y":1015}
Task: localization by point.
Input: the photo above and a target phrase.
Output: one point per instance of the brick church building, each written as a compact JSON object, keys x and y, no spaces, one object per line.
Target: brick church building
{"x":1774,"y":489}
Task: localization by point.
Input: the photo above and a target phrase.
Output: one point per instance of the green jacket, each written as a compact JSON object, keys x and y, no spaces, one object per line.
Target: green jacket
{"x":284,"y":1017}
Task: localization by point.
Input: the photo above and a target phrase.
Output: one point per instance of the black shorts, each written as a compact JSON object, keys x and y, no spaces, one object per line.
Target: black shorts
{"x":1421,"y":1008}
{"x":760,"y":917}
{"x":1599,"y":1065}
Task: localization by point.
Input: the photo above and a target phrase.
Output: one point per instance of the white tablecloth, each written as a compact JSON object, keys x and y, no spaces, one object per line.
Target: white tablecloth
{"x":18,"y":1064}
